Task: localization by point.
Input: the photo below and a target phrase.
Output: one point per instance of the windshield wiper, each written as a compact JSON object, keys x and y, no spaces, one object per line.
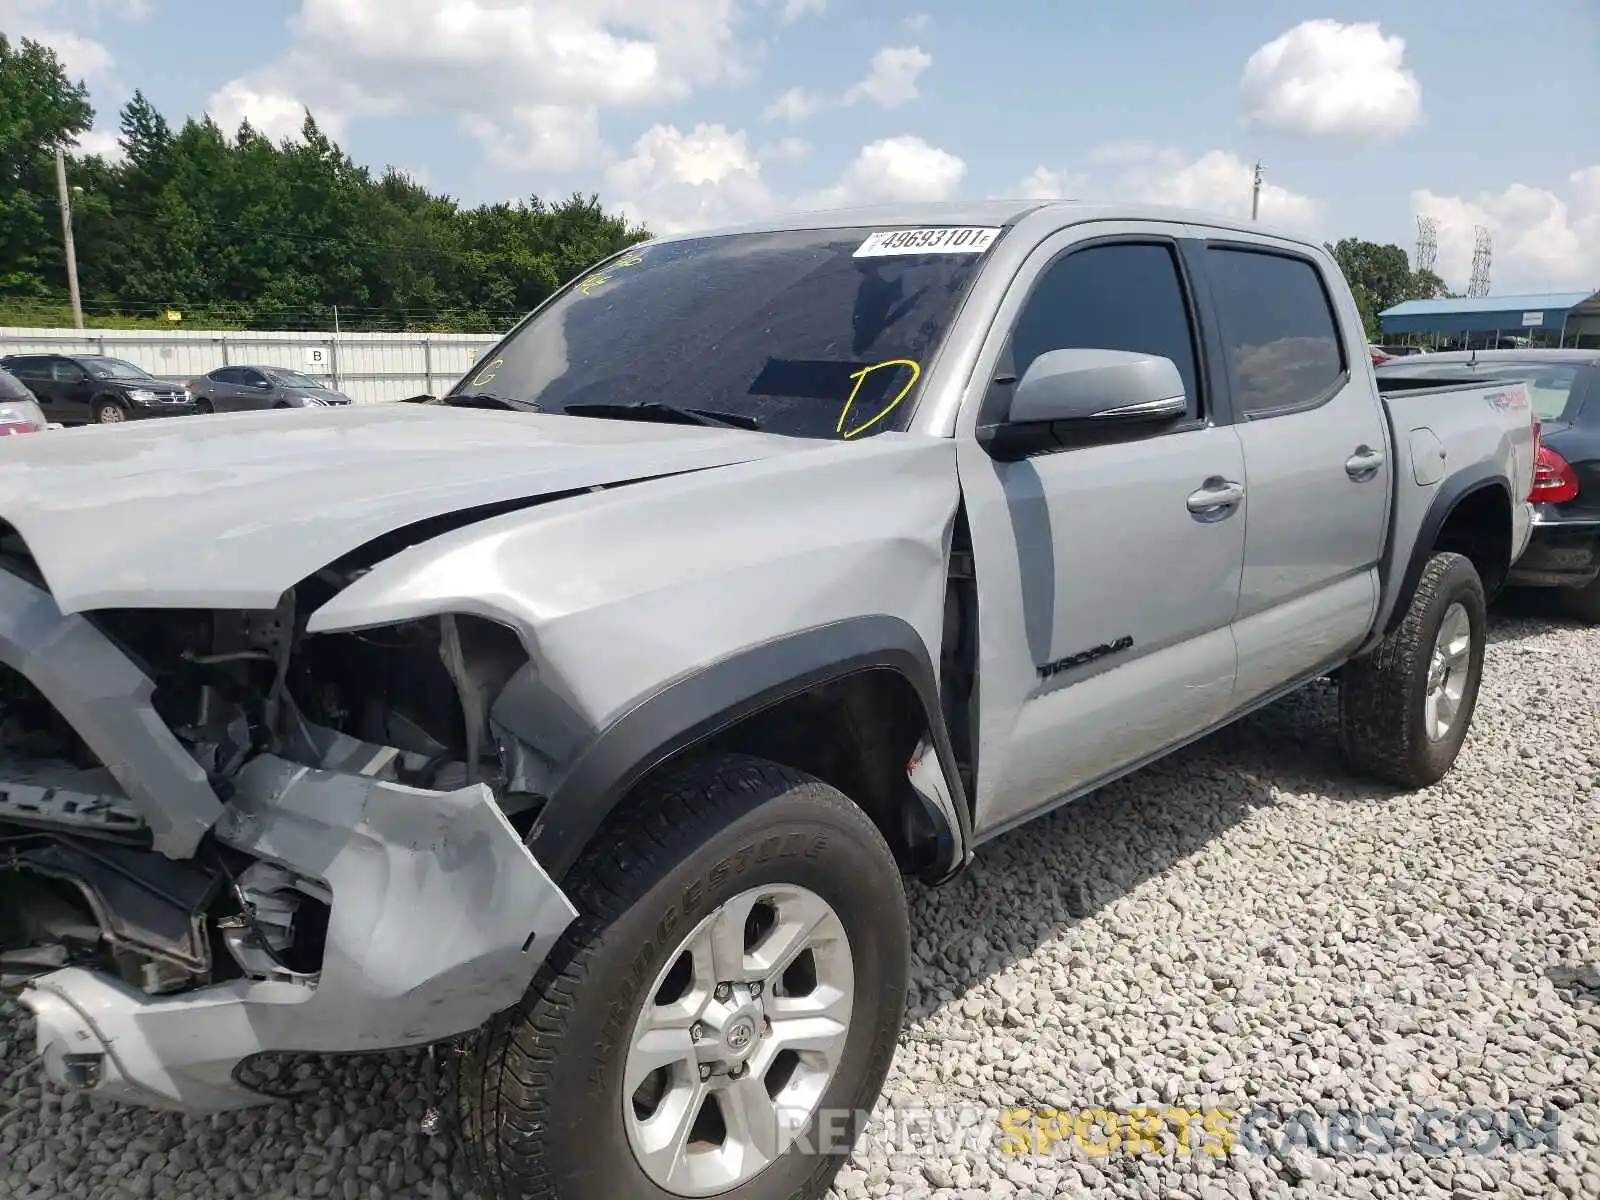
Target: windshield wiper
{"x":489,"y":400}
{"x":656,"y":410}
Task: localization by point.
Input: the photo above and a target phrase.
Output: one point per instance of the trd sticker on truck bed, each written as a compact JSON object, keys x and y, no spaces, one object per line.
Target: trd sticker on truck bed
{"x":1514,"y":398}
{"x":946,"y":239}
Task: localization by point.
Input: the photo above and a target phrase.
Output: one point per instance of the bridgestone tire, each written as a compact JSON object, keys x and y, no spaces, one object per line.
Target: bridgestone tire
{"x":1382,"y":697}
{"x":1582,"y":603}
{"x":538,"y":1099}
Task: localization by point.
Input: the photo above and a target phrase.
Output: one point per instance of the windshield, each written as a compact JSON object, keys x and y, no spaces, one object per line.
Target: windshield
{"x":293,"y":379}
{"x":113,"y":368}
{"x":809,"y":333}
{"x":11,"y":387}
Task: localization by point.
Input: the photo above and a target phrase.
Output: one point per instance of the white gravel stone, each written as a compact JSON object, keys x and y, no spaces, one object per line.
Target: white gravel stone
{"x":1243,"y":924}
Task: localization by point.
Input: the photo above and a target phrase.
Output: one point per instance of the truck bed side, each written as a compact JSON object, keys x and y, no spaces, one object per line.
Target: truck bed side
{"x":1463,"y":471}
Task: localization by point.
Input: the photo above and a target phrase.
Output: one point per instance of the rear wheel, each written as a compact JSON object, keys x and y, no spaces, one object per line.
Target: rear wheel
{"x":1404,"y":709}
{"x":720,"y":1018}
{"x":108,"y":412}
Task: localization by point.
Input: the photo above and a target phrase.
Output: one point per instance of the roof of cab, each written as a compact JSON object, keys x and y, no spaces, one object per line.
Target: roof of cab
{"x":984,"y":212}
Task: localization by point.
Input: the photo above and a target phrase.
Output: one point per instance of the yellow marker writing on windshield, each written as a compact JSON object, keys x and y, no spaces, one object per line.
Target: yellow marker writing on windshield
{"x":488,"y":373}
{"x":860,"y":377}
{"x":628,"y":260}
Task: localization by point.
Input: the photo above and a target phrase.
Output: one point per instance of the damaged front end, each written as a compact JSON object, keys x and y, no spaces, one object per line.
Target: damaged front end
{"x":221,"y":837}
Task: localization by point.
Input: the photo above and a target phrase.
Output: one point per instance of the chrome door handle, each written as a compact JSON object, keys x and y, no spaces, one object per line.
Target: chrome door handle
{"x":1217,"y":498}
{"x":1363,"y":464}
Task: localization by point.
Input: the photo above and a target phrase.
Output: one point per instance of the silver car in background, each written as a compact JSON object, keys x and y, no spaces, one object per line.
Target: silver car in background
{"x":254,"y":388}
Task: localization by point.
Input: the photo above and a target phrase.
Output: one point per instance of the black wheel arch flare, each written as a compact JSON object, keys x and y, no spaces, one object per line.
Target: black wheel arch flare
{"x":692,"y":709}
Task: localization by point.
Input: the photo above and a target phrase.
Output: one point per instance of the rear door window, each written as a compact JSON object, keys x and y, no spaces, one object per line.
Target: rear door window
{"x":1279,"y":333}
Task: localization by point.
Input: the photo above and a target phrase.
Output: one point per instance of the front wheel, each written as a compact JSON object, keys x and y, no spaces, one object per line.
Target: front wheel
{"x":719,"y":1019}
{"x":108,"y":412}
{"x":1404,"y":709}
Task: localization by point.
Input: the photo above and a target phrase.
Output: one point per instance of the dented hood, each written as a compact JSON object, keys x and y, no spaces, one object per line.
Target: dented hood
{"x":231,"y":511}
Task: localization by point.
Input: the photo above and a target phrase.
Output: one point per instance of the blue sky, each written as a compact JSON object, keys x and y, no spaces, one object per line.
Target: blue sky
{"x":691,"y":112}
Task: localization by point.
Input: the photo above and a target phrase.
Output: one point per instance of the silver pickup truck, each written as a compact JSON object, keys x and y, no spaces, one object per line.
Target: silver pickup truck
{"x":587,"y":721}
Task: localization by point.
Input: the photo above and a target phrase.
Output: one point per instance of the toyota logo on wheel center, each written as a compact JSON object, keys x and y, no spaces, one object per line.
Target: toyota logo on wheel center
{"x":740,"y":1034}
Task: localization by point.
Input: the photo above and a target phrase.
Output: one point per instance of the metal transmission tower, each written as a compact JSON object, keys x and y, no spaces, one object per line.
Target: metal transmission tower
{"x":1482,"y":256}
{"x":1427,"y":243}
{"x":1255,"y":194}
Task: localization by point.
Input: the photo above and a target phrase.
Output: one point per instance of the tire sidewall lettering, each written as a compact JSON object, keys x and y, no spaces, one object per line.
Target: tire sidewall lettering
{"x":722,"y":879}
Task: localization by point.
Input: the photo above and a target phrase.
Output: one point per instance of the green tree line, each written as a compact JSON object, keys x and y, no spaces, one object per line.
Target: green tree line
{"x":232,"y":230}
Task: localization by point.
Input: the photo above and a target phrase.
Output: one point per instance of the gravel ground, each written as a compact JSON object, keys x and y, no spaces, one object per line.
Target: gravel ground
{"x":1240,"y":926}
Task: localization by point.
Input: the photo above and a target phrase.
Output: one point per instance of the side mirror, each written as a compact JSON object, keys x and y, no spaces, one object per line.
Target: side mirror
{"x":1099,"y":387}
{"x":1085,"y":391}
{"x":264,"y":385}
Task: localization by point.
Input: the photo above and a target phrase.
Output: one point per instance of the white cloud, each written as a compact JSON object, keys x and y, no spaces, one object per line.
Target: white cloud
{"x":892,"y":79}
{"x":919,"y":23}
{"x":676,"y":181}
{"x":1328,"y":79}
{"x":1217,"y":182}
{"x":794,"y":105}
{"x":894,"y":169}
{"x":793,"y":10}
{"x":1140,"y":173}
{"x":57,"y":25}
{"x":272,"y":112}
{"x":507,"y":70}
{"x":1542,"y":239}
{"x":1586,"y":189}
{"x":545,"y":137}
{"x":1043,"y":183}
{"x":102,"y":142}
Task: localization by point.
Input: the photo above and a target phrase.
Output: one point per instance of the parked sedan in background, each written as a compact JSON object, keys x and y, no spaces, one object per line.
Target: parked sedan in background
{"x":248,"y":388}
{"x":1564,"y":388}
{"x":19,"y":412}
{"x":81,"y":388}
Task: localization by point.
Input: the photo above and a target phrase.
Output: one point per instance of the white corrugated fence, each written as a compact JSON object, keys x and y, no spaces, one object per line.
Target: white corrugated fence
{"x":368,"y":367}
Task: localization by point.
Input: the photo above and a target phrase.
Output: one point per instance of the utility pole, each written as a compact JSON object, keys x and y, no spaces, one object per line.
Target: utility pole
{"x":66,"y":238}
{"x":1255,"y":194}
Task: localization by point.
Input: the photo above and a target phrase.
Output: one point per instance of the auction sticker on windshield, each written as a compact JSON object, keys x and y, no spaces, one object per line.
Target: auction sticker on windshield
{"x":945,"y":239}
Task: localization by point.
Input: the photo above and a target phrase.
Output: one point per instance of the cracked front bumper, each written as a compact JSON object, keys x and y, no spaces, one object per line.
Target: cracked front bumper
{"x":438,"y":914}
{"x":440,"y":917}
